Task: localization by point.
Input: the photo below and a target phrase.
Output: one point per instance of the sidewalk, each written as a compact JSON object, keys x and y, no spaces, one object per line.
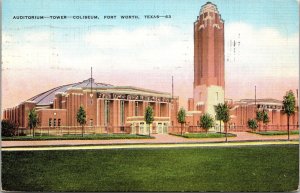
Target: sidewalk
{"x":159,"y":139}
{"x":139,"y":146}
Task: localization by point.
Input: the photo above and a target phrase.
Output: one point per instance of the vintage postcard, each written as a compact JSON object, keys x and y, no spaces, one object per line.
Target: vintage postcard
{"x":150,"y":95}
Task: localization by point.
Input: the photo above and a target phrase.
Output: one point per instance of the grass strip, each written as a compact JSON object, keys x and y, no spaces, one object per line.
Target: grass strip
{"x":205,"y":135}
{"x":294,"y":132}
{"x":77,"y":137}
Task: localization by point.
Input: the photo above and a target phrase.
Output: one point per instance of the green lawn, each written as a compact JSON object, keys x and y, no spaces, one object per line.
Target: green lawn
{"x":205,"y":135}
{"x":277,"y":132}
{"x":251,"y":168}
{"x":77,"y":137}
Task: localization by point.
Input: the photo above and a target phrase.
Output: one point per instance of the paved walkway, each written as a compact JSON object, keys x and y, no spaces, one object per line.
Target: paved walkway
{"x":139,"y":146}
{"x":159,"y":139}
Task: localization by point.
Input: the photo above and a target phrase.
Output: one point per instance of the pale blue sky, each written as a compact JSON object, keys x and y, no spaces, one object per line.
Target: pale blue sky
{"x":280,"y":14}
{"x":147,"y":53}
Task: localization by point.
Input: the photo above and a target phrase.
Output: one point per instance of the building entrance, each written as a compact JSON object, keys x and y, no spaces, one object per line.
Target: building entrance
{"x":162,"y":128}
{"x":144,"y":129}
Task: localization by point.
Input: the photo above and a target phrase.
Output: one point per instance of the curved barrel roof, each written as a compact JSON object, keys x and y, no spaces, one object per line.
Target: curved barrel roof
{"x":47,"y":97}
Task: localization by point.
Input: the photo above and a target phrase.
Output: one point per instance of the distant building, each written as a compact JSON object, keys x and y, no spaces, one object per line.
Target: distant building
{"x":112,"y":109}
{"x":245,"y":109}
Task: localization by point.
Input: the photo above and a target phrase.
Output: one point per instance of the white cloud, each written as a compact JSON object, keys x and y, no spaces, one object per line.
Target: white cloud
{"x":153,"y":47}
{"x":265,"y":58}
{"x":149,"y":56}
{"x":262,"y":52}
{"x":130,"y":39}
{"x":161,"y":47}
{"x":28,"y":50}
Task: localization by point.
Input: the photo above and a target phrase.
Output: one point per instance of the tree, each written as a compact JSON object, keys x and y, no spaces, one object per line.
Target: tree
{"x":206,"y":121}
{"x":181,"y":117}
{"x":259,"y":117}
{"x":226,"y":118}
{"x":32,"y":120}
{"x":149,"y":117}
{"x":266,"y":119}
{"x":221,"y":112}
{"x":252,"y":124}
{"x":8,"y":128}
{"x":81,"y":118}
{"x":289,"y":103}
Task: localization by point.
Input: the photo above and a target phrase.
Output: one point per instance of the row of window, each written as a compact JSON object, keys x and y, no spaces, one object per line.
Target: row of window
{"x":269,"y":106}
{"x":53,"y":123}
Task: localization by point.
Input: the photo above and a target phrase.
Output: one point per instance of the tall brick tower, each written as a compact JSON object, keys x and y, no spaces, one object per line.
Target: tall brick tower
{"x":208,"y":59}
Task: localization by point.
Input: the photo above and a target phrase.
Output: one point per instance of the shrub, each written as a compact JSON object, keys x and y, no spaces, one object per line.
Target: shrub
{"x":206,"y":121}
{"x":8,"y":128}
{"x":252,"y":124}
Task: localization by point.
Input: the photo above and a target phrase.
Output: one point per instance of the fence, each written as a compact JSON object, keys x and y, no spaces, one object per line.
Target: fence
{"x":231,"y":128}
{"x":184,"y":129}
{"x":77,"y":130}
{"x":74,"y":130}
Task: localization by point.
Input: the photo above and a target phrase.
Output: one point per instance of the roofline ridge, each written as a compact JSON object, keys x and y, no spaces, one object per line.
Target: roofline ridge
{"x":52,"y":89}
{"x":145,"y":89}
{"x":75,"y":84}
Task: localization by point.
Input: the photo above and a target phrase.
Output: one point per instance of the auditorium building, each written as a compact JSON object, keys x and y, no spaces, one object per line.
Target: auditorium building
{"x":109,"y":109}
{"x":117,"y":109}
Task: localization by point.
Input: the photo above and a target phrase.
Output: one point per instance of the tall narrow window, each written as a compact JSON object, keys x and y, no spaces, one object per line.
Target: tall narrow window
{"x":50,"y":122}
{"x":58,"y":122}
{"x":136,"y":112}
{"x":106,"y":112}
{"x":54,"y":122}
{"x":122,"y":113}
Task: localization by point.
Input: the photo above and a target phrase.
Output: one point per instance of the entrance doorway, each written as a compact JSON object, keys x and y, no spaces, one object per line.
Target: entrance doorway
{"x":162,"y":128}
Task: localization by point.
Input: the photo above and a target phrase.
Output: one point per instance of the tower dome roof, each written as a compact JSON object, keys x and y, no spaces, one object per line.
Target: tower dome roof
{"x":208,"y":7}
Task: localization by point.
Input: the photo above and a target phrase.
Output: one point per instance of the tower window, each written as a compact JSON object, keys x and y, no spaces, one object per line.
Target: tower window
{"x":58,"y":122}
{"x":54,"y":122}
